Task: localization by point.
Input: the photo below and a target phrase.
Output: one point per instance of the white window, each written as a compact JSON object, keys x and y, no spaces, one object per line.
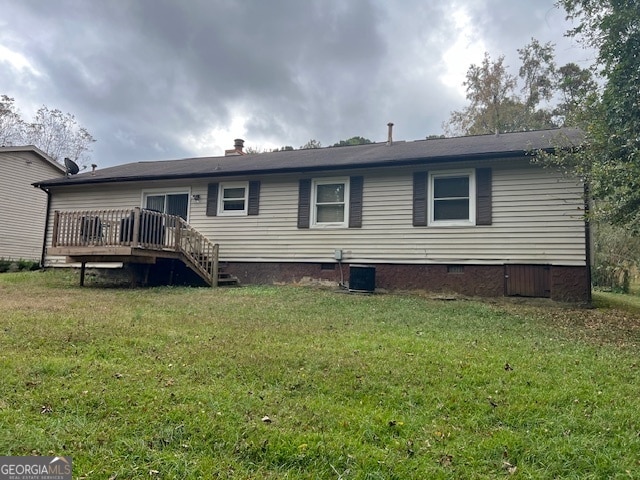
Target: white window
{"x":172,"y":203}
{"x":452,"y":198}
{"x":233,"y":198}
{"x":330,"y":202}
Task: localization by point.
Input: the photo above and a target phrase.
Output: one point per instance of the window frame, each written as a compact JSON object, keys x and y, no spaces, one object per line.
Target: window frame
{"x":345,"y":202}
{"x":233,"y":213}
{"x":433,"y":176}
{"x":156,"y":192}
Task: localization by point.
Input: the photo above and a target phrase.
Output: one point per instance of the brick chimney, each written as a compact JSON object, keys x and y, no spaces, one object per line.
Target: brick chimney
{"x":237,"y":148}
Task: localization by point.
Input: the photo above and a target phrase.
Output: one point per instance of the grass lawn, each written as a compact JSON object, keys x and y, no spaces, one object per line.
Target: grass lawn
{"x":630,"y":303}
{"x":299,"y":382}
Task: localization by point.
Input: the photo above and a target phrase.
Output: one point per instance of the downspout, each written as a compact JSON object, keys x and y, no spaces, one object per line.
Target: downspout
{"x":587,"y":239}
{"x":46,"y":226}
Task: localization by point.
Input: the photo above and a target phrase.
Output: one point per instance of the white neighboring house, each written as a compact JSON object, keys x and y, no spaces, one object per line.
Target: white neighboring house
{"x":23,"y":208}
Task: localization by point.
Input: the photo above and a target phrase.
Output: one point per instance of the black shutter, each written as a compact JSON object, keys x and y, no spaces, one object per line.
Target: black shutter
{"x":304,"y":203}
{"x":420,"y":199}
{"x":355,"y":201}
{"x":212,"y":200}
{"x":483,"y":196}
{"x":254,"y":198}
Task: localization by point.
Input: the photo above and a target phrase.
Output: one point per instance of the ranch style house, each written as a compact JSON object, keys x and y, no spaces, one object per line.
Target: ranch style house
{"x":469,"y":215}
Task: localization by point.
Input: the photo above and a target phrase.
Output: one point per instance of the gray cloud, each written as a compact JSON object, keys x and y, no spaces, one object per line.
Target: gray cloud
{"x":150,"y":78}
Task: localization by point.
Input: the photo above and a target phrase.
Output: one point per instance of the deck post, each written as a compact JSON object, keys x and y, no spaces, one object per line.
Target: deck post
{"x":177,"y":236}
{"x":147,"y":268}
{"x":83,"y":268}
{"x":56,"y":226}
{"x":136,"y":228}
{"x":214,"y":267}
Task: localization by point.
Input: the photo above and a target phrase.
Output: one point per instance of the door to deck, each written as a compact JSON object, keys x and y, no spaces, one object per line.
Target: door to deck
{"x":528,"y":281}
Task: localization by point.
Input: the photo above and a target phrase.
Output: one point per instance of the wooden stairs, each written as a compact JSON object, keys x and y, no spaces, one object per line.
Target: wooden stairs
{"x":226,"y":279}
{"x":205,"y":265}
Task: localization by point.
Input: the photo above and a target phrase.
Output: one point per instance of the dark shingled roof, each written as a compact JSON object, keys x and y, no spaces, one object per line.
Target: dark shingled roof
{"x":481,"y":147}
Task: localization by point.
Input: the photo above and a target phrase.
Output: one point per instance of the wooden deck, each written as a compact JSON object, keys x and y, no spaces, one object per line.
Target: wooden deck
{"x":135,"y":236}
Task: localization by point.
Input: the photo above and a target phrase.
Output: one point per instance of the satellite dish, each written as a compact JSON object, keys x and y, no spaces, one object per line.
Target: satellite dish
{"x":71,"y":166}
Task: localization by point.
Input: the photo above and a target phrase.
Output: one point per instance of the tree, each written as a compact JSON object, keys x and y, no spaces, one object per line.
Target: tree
{"x":249,"y":150}
{"x":54,"y":132}
{"x":538,"y":71}
{"x":494,"y":107}
{"x":352,"y":141}
{"x":311,"y":144}
{"x":11,"y":125}
{"x":578,"y":89}
{"x":611,"y":161}
{"x":59,"y":135}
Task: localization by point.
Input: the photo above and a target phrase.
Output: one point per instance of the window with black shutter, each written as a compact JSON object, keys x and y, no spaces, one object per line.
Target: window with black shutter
{"x":233,"y":198}
{"x":330,"y":202}
{"x":452,"y":198}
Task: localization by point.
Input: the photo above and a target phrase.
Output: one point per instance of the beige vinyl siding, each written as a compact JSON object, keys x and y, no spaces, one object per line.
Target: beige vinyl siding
{"x":537,"y":218}
{"x":23,"y":207}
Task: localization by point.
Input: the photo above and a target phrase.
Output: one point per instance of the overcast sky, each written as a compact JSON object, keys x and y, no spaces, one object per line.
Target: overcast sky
{"x":164,"y":79}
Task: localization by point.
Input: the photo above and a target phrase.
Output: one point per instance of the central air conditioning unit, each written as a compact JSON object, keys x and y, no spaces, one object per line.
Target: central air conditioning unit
{"x":362,"y":278}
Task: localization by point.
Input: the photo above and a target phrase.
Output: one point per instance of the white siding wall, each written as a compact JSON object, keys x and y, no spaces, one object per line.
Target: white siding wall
{"x":537,"y":218}
{"x":22,"y":207}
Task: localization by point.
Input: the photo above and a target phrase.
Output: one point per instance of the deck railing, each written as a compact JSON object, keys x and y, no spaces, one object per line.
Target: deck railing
{"x":136,"y":228}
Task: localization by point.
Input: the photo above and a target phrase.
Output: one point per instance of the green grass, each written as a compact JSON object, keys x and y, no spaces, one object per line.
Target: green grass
{"x":175,"y":383}
{"x":630,"y":303}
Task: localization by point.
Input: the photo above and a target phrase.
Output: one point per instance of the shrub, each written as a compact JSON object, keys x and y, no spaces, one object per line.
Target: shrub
{"x":18,"y":265}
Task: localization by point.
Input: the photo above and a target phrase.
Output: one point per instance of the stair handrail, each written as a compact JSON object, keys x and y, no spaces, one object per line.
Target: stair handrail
{"x":199,"y":250}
